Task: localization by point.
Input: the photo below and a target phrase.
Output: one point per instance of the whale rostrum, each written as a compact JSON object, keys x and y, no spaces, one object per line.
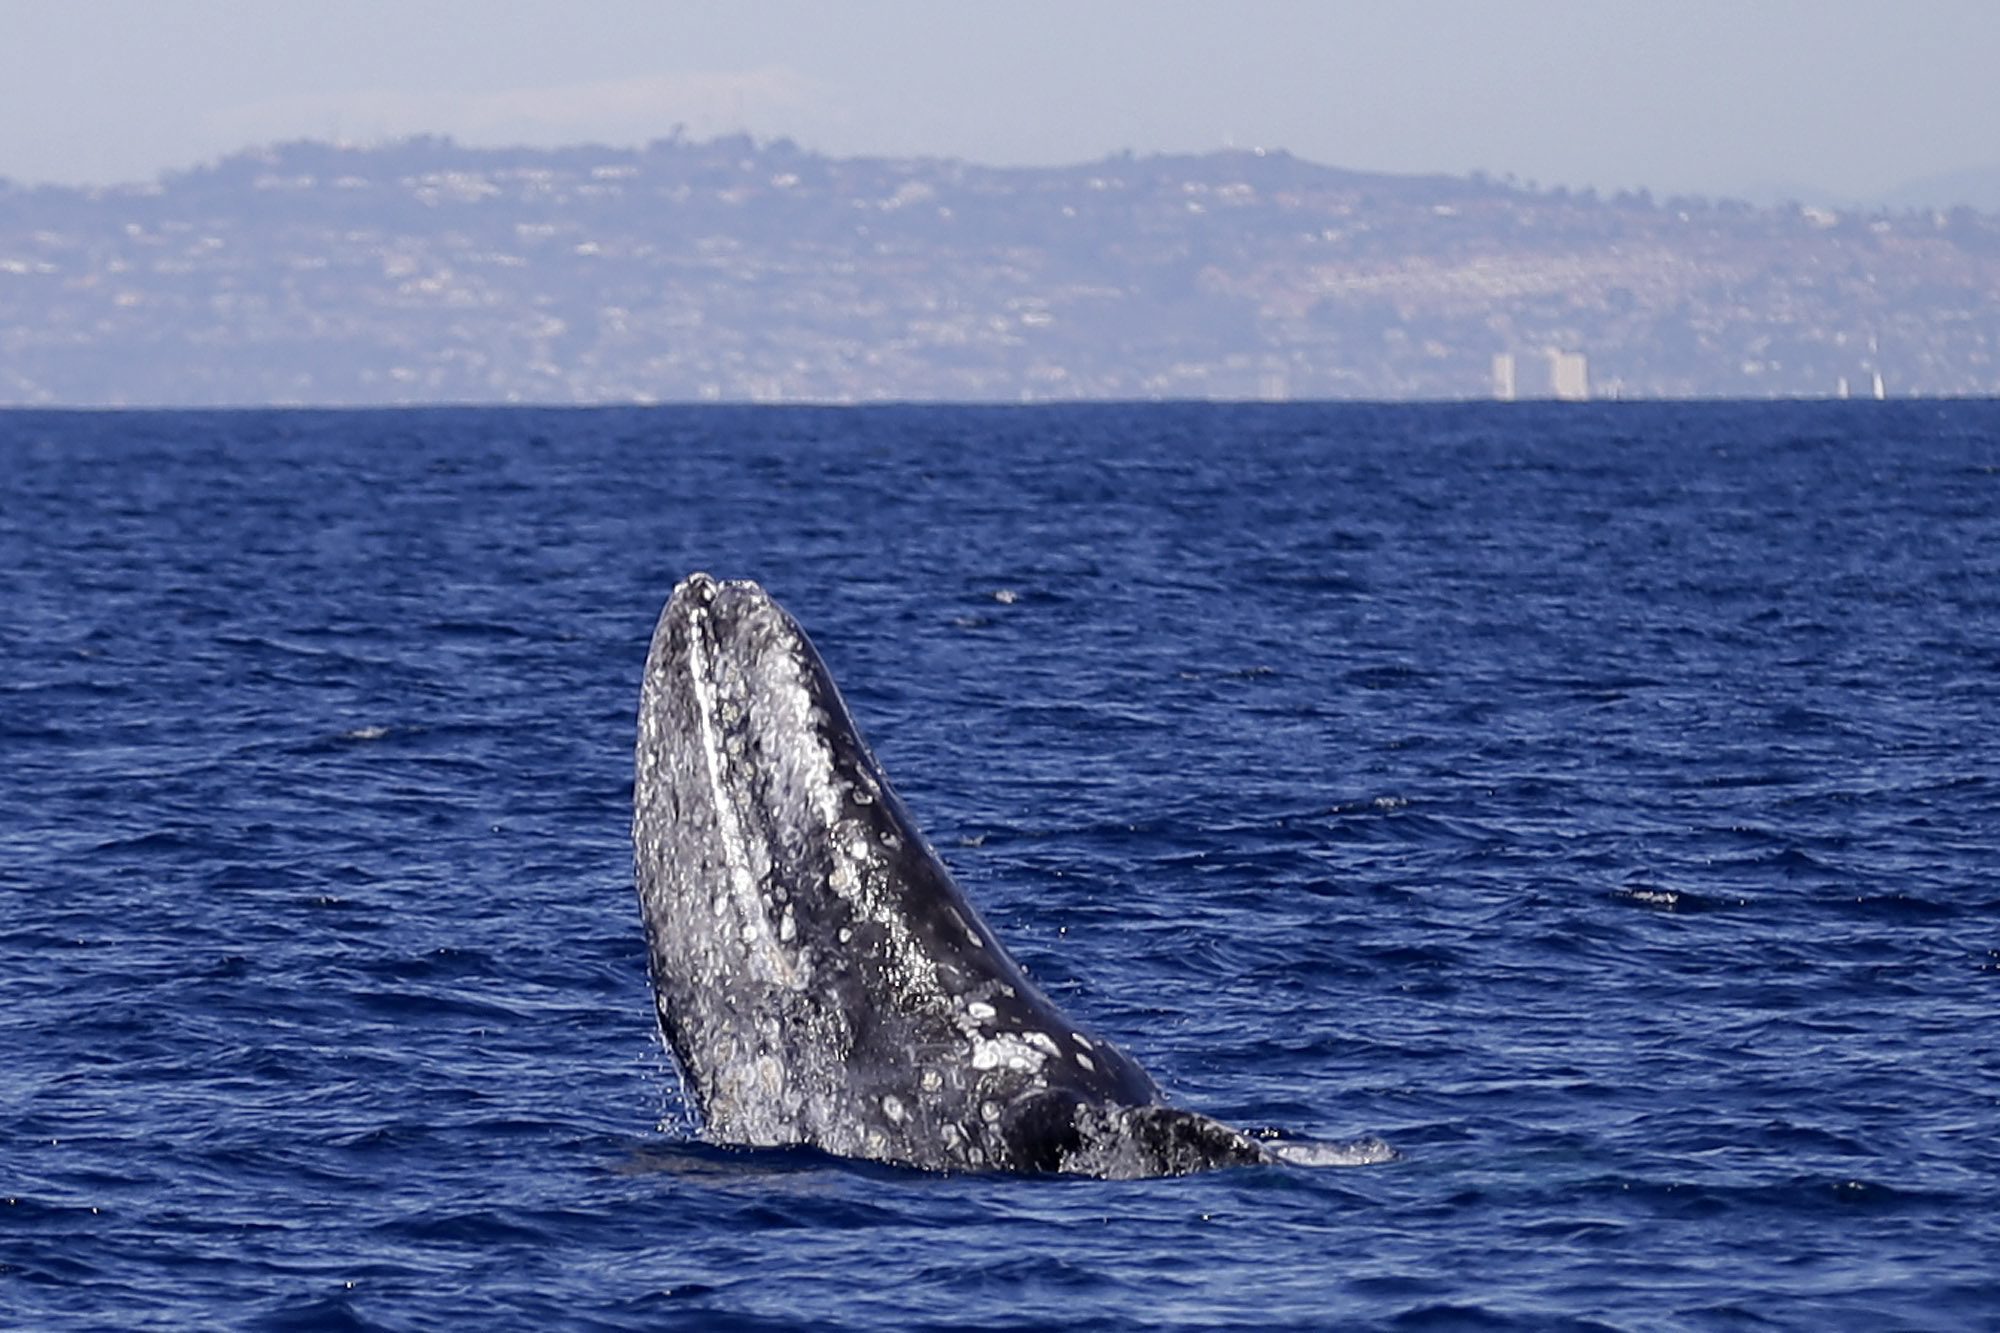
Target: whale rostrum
{"x":818,"y":976}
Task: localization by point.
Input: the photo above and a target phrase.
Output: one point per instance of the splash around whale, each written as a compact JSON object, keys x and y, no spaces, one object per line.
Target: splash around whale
{"x":818,"y":976}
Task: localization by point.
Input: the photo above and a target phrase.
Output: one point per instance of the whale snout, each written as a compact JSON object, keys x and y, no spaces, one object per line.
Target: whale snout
{"x":727,"y":601}
{"x":728,"y":650}
{"x":697,"y":589}
{"x":727,"y":615}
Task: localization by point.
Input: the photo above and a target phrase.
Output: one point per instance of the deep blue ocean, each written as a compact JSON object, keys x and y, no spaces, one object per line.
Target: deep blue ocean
{"x":1600,"y":803}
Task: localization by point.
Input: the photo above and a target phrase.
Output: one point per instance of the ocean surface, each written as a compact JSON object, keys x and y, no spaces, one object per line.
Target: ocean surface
{"x":1600,"y":803}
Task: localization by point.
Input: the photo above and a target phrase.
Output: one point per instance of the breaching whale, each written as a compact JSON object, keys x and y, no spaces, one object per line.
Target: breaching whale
{"x":818,"y":976}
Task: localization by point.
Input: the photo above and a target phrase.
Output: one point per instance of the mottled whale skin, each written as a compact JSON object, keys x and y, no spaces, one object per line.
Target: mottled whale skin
{"x":819,"y":977}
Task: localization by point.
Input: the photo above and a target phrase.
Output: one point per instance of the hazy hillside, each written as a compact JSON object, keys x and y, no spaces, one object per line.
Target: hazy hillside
{"x":731,"y":270}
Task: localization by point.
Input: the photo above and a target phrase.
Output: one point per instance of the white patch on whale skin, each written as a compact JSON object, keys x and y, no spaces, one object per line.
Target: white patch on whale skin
{"x":1006,"y":1050}
{"x":1042,"y":1041}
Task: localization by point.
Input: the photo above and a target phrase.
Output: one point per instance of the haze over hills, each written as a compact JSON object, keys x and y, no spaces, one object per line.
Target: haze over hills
{"x":1970,"y":187}
{"x":733,"y":270}
{"x":1977,"y":188}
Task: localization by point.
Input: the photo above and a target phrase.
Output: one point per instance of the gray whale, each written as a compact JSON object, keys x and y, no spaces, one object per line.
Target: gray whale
{"x":818,"y":976}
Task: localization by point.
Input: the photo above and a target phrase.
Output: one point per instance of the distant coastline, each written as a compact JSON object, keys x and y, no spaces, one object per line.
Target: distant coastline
{"x":733,"y":270}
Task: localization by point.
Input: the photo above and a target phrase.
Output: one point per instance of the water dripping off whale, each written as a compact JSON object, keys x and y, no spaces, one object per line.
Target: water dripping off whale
{"x":818,"y":976}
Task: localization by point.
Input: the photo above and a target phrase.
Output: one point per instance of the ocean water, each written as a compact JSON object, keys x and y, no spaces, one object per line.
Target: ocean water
{"x":1600,"y":803}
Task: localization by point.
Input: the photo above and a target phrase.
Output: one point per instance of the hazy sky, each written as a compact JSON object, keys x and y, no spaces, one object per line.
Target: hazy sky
{"x":1845,"y":98}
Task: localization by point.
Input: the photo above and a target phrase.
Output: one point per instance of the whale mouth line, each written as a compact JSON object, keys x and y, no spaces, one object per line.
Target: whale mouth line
{"x":819,"y":977}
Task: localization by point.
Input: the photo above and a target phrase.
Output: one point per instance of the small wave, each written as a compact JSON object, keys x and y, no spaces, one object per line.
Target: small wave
{"x":477,"y":630}
{"x":1795,"y":1194}
{"x":1368,"y":1151}
{"x":1899,"y":907}
{"x":1676,"y":900}
{"x":156,"y":842}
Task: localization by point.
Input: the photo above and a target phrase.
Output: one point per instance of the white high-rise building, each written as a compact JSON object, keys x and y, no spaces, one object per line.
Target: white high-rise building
{"x":1569,"y":376}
